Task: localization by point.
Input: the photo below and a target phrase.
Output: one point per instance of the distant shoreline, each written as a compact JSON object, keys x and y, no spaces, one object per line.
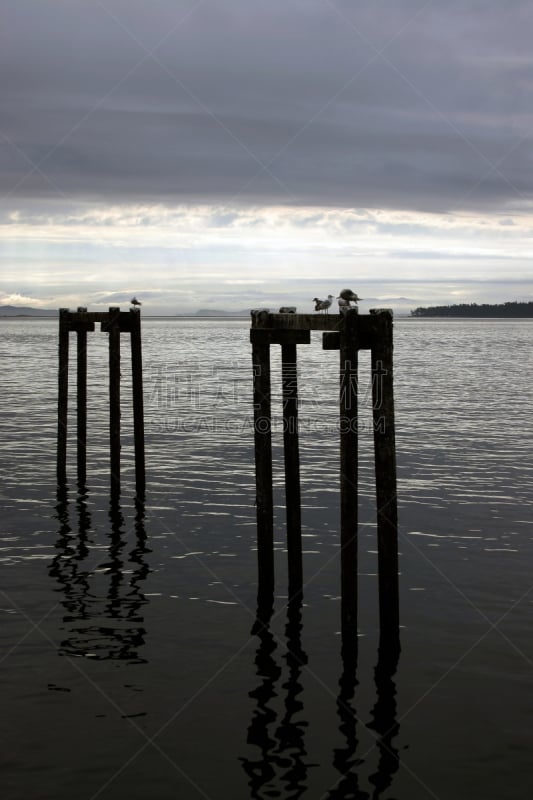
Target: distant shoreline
{"x":27,"y":312}
{"x":509,"y":310}
{"x":242,"y":317}
{"x":53,"y":316}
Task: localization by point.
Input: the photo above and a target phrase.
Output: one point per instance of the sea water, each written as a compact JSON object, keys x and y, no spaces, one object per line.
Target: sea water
{"x":131,"y":667}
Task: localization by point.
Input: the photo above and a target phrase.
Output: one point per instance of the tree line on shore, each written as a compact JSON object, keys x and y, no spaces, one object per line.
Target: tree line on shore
{"x":510,"y":309}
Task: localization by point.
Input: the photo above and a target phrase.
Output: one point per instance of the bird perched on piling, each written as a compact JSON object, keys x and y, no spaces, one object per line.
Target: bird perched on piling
{"x":323,"y":305}
{"x":345,"y":298}
{"x":135,"y":302}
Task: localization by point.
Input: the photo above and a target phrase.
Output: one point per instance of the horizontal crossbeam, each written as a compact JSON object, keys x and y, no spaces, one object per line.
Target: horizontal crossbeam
{"x":269,"y":336}
{"x":85,"y":320}
{"x":277,"y":328}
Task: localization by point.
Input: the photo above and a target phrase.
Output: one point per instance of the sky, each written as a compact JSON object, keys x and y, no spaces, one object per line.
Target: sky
{"x":236,"y":154}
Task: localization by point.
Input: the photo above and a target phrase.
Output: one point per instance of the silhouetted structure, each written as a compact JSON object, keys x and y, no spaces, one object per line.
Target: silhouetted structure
{"x":114,"y":322}
{"x":348,"y":333}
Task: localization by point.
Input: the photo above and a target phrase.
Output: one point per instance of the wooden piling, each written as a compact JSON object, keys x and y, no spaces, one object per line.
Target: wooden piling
{"x":114,"y":322}
{"x":348,"y":343}
{"x":289,"y":374}
{"x":385,"y":468}
{"x":138,"y":403}
{"x":263,"y":465}
{"x":62,"y":401}
{"x":347,"y":333}
{"x":114,"y":398}
{"x":81,"y":407}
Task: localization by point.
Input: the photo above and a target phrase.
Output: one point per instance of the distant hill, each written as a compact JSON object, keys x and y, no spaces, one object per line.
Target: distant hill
{"x":511,"y":309}
{"x":215,"y":312}
{"x":26,"y":311}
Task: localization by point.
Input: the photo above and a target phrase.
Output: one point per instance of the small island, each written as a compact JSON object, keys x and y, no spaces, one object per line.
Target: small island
{"x":510,"y":309}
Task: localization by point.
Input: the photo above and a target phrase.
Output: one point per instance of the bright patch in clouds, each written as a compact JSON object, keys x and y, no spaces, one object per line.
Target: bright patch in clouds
{"x":17,"y":299}
{"x":183,"y":257}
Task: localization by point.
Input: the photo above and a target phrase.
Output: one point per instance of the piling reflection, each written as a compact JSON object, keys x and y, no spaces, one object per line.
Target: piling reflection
{"x":103,"y":599}
{"x":384,"y":723}
{"x":72,"y":550}
{"x":384,"y":715}
{"x":345,"y":760}
{"x":280,"y":769}
{"x":366,"y":766}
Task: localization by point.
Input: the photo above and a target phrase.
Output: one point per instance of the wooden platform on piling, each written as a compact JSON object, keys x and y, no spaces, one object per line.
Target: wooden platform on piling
{"x":114,"y":322}
{"x":369,"y":326}
{"x":348,"y":333}
{"x":85,"y":320}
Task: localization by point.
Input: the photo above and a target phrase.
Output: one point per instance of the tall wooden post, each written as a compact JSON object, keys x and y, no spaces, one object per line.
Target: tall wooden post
{"x":114,"y":398}
{"x":348,"y":333}
{"x":62,"y":401}
{"x":138,"y":404}
{"x":289,"y":374}
{"x":385,"y":466}
{"x":348,"y":467}
{"x":263,"y":464}
{"x":81,"y":408}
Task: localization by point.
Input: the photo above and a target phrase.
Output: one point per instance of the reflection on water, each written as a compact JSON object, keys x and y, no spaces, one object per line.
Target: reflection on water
{"x":384,"y":724}
{"x":344,"y":758}
{"x":102,"y":599}
{"x":384,"y":720}
{"x":280,"y":768}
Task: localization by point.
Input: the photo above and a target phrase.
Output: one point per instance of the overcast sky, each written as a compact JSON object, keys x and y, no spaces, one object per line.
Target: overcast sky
{"x":241,"y":153}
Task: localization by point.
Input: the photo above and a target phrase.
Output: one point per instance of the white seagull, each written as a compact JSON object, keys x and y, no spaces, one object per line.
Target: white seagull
{"x":323,"y":305}
{"x":135,"y":302}
{"x":345,"y":298}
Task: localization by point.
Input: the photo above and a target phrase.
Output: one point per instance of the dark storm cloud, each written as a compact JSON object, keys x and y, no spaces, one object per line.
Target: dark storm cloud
{"x":409,"y":104}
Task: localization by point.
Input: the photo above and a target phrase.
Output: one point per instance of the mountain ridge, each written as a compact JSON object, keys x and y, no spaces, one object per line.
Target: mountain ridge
{"x":27,"y":311}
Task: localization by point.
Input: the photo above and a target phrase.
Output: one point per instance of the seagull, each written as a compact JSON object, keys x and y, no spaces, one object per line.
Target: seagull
{"x":345,"y":298}
{"x":344,"y":305}
{"x":323,"y":305}
{"x":135,"y":302}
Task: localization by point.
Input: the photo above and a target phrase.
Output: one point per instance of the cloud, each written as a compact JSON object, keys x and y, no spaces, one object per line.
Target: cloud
{"x":179,"y":258}
{"x":206,"y":153}
{"x":17,"y":299}
{"x":415,"y":106}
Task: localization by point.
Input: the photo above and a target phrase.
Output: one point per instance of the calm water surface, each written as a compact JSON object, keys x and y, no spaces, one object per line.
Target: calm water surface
{"x":130,"y":664}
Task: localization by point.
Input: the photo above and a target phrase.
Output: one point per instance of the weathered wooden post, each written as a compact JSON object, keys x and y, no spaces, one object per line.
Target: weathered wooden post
{"x":81,"y":409}
{"x":62,"y":397}
{"x":289,"y":376}
{"x":348,"y":346}
{"x":385,"y":468}
{"x":113,"y":328}
{"x":138,"y":403}
{"x":263,"y":463}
